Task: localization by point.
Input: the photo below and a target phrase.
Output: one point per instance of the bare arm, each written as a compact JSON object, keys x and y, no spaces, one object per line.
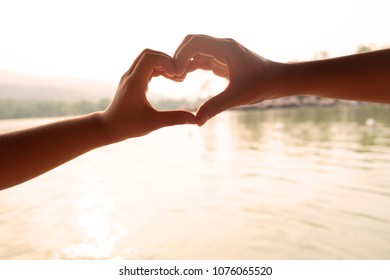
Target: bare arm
{"x":252,"y":78}
{"x":360,"y":77}
{"x":28,"y":153}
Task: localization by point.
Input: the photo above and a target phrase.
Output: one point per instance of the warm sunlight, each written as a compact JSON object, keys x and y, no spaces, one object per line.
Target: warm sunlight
{"x":99,"y":39}
{"x":290,"y":162}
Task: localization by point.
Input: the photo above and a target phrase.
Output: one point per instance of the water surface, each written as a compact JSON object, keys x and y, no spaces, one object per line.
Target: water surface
{"x":305,"y":183}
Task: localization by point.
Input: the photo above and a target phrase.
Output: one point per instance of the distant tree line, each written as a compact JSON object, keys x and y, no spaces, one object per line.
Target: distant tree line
{"x":370,"y":47}
{"x":16,"y":109}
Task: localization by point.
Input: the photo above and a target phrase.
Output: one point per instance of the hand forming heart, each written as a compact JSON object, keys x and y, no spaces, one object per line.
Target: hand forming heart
{"x":31,"y":152}
{"x":130,"y":114}
{"x":251,"y":80}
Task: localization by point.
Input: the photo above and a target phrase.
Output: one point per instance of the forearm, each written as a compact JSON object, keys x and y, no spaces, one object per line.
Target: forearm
{"x":28,"y":153}
{"x":362,"y":77}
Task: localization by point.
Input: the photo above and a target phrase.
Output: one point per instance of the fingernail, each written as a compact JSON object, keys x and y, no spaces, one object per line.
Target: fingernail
{"x":179,"y":78}
{"x":179,"y":69}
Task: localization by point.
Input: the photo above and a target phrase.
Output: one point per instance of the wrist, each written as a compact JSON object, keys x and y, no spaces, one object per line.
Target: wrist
{"x":106,"y":133}
{"x":280,"y":80}
{"x":292,"y":77}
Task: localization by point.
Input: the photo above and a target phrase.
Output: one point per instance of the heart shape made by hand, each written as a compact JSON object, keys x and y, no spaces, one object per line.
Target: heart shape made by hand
{"x":189,"y":94}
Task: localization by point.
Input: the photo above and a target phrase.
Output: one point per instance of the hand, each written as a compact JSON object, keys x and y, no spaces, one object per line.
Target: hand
{"x":130,"y":114}
{"x":252,"y":78}
{"x":28,"y":153}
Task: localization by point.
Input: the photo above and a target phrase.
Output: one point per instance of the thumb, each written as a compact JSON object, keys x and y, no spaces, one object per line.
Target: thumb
{"x":215,"y":105}
{"x":169,"y":118}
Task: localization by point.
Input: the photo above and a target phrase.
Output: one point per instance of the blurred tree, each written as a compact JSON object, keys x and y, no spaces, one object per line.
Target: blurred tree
{"x":364,"y":48}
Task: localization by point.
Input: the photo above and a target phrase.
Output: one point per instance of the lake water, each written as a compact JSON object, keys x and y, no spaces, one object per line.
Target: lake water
{"x":311,"y":183}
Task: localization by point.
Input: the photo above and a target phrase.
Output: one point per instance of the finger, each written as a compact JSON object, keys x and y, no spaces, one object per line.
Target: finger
{"x":157,"y":73}
{"x":205,"y":63}
{"x":152,"y":61}
{"x":201,"y":45}
{"x":208,"y":63}
{"x":177,"y":117}
{"x":215,"y":105}
{"x":135,"y":62}
{"x":186,"y":39}
{"x":180,"y":77}
{"x":257,"y":100}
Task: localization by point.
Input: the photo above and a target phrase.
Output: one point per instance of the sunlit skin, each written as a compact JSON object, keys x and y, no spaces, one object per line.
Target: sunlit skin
{"x":252,"y":78}
{"x":28,"y":153}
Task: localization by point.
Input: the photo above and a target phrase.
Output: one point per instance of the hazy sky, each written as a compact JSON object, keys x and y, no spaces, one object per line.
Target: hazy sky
{"x":100,"y":39}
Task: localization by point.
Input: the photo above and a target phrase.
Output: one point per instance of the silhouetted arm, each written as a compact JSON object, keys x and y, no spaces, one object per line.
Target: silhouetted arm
{"x":28,"y":153}
{"x":360,"y":77}
{"x":252,"y":78}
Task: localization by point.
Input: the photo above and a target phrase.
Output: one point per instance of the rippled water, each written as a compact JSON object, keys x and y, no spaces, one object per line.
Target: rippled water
{"x":276,"y":184}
